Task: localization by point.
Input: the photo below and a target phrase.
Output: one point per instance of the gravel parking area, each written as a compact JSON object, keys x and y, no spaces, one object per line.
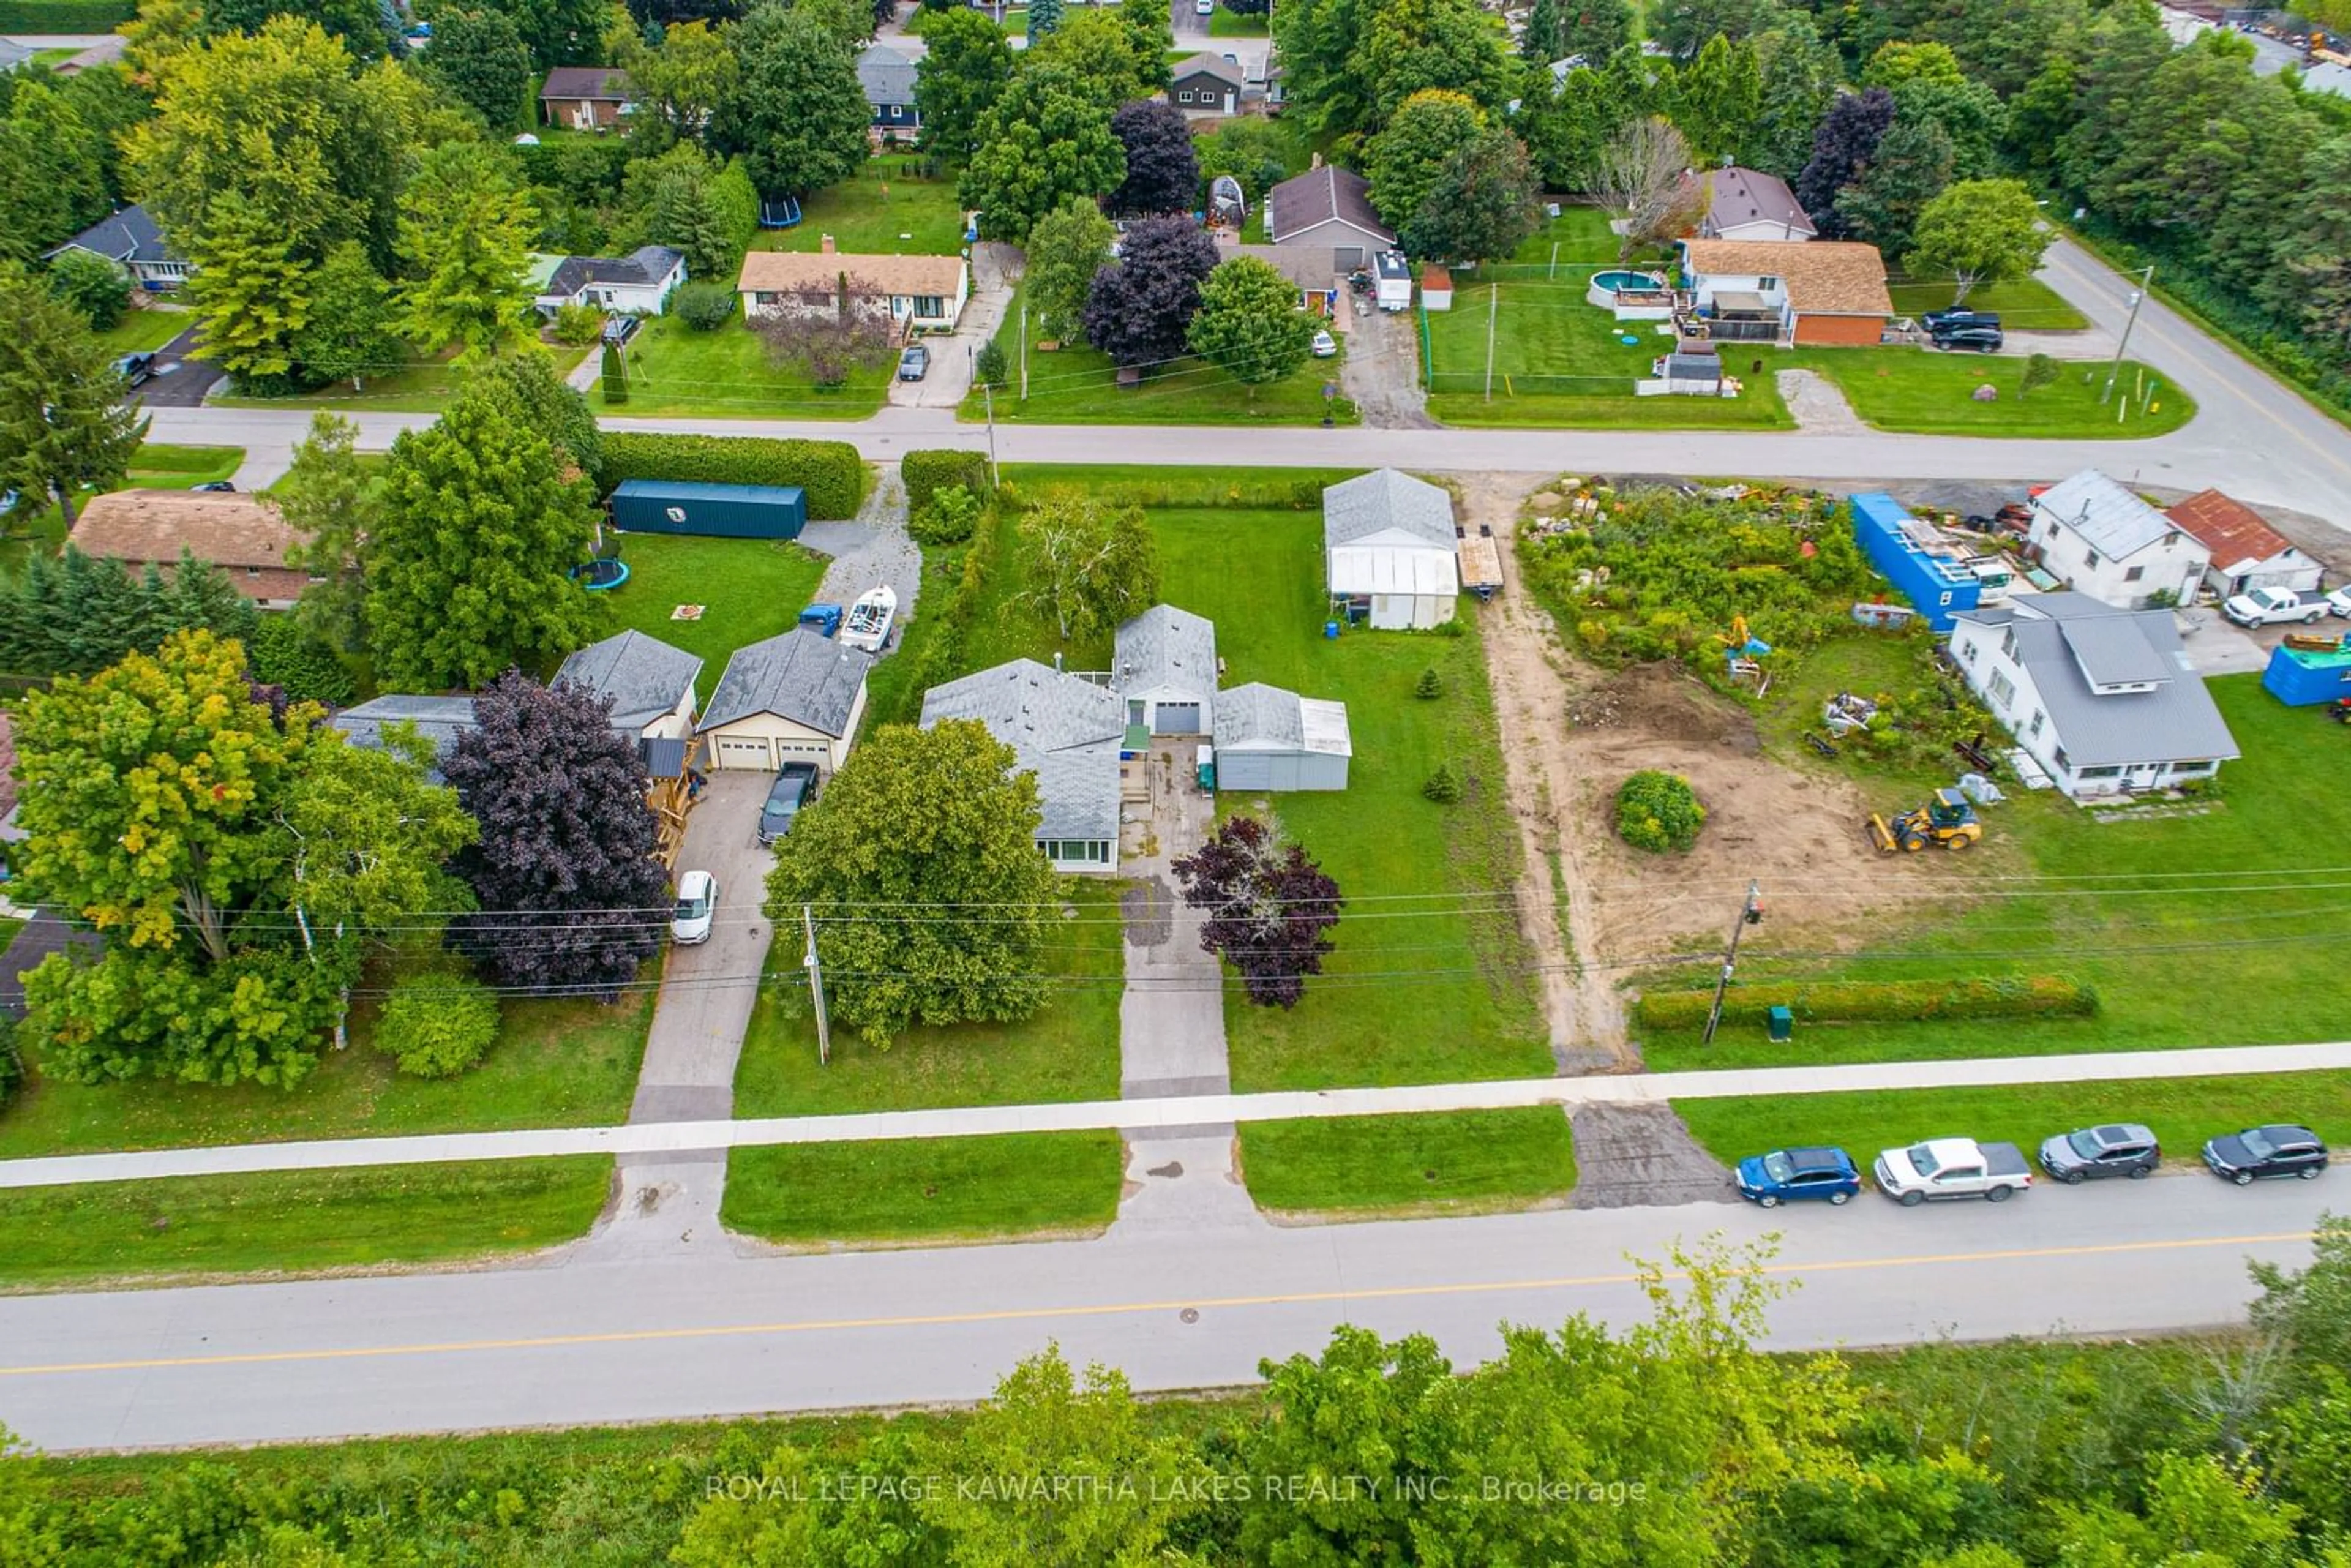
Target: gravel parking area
{"x":1631,"y":1157}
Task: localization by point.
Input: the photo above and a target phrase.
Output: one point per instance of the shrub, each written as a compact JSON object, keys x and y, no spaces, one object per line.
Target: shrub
{"x":1876,"y":1001}
{"x":928,"y":471}
{"x":1444,"y":785}
{"x":829,"y":471}
{"x":703,"y":306}
{"x":989,"y":367}
{"x":942,"y":655}
{"x":614,"y":375}
{"x":1658,"y":812}
{"x":1430,"y":686}
{"x":949,"y":519}
{"x":65,"y":15}
{"x":438,"y":1025}
{"x":283,"y":654}
{"x":92,"y":284}
{"x":577,"y":325}
{"x":12,"y":1065}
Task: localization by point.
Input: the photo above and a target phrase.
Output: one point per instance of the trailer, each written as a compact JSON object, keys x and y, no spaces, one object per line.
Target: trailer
{"x":720,"y":511}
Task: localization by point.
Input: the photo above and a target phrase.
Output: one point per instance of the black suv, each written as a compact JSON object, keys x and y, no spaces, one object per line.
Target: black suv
{"x":2257,"y":1151}
{"x":1938,"y":322}
{"x":1968,"y":335}
{"x":794,"y":788}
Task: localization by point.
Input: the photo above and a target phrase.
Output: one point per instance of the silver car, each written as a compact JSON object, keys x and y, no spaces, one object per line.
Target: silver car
{"x":2114,"y":1149}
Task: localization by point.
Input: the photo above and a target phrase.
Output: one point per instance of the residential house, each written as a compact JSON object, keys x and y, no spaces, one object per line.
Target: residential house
{"x":242,"y":535}
{"x":2098,"y":539}
{"x":1329,"y":208}
{"x":1269,"y":739}
{"x":1748,"y":205}
{"x":2247,"y":553}
{"x":1167,"y":671}
{"x":1204,"y":87}
{"x":1388,"y":550}
{"x":638,"y":284}
{"x":650,"y":687}
{"x":1784,"y":291}
{"x":888,"y":78}
{"x":1067,"y":731}
{"x":14,"y":54}
{"x":1316,"y":271}
{"x":796,"y":698}
{"x":130,"y":239}
{"x":920,"y":293}
{"x":2105,"y":699}
{"x":585,"y":98}
{"x":439,"y":720}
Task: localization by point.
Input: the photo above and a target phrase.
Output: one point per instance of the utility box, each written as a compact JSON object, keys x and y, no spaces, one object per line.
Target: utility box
{"x":718,"y":511}
{"x":1781,"y":1023}
{"x":1208,"y":768}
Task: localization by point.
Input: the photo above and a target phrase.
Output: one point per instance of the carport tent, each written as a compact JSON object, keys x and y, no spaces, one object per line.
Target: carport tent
{"x":1357,"y":570}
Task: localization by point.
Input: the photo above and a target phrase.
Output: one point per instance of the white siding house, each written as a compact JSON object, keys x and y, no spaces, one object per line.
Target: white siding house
{"x":792,"y":698}
{"x":2105,"y":699}
{"x":1166,"y":672}
{"x":2098,"y":539}
{"x":638,"y":284}
{"x":1388,"y":550}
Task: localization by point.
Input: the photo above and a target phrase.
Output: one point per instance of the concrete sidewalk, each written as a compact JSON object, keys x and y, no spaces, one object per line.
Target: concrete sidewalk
{"x":1186,"y":1111}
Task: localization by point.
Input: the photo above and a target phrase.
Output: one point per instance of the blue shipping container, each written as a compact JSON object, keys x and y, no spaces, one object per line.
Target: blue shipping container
{"x":720,"y":511}
{"x":1938,"y":585}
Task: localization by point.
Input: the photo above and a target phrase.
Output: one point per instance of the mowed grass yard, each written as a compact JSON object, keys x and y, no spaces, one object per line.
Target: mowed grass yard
{"x":418,"y":385}
{"x":926,"y":1189}
{"x":294,"y":1221}
{"x":1362,"y":1167}
{"x":748,"y":588}
{"x":676,"y":373}
{"x":886,"y":210}
{"x":145,"y":330}
{"x":2129,"y":906}
{"x":2027,"y":305}
{"x":2181,"y":1112}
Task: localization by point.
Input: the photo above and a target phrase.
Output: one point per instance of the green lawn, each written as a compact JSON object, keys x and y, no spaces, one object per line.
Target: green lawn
{"x":557,"y":1064}
{"x":887,"y":209}
{"x":2183,"y":1112}
{"x":1078,"y":385}
{"x":676,"y":372}
{"x":1067,"y":1051}
{"x":1925,"y":392}
{"x":1224,"y":24}
{"x":926,"y":1189}
{"x":291,"y":1221}
{"x":1580,"y":234}
{"x":2154,"y":943}
{"x":420,"y":386}
{"x":1467,"y":1162}
{"x":141,"y":331}
{"x":2028,"y":305}
{"x":748,"y":588}
{"x":156,"y":466}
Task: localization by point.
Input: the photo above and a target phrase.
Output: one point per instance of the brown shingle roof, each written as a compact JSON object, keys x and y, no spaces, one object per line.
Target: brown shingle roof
{"x":1318,"y":196}
{"x":2234,"y":532}
{"x":788,"y":272}
{"x":1824,"y":278}
{"x":607,"y":83}
{"x":1737,"y":195}
{"x":139,"y":526}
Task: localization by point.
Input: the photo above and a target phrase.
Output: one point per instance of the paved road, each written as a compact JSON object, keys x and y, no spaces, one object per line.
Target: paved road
{"x":579,"y":1341}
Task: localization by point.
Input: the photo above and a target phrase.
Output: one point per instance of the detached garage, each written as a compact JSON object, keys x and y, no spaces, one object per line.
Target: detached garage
{"x":793,"y":698}
{"x":1271,"y":739}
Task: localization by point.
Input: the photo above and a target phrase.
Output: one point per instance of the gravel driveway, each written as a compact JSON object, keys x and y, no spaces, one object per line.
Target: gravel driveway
{"x":871,"y":550}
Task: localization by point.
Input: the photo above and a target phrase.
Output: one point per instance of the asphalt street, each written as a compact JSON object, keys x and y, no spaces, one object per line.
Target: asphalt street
{"x":578,"y":1340}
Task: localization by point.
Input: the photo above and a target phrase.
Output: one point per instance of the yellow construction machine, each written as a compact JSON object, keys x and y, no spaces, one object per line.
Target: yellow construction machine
{"x":1949,"y":819}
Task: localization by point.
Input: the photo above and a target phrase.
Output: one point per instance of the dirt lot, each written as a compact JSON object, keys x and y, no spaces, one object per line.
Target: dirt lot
{"x":1629,"y":1156}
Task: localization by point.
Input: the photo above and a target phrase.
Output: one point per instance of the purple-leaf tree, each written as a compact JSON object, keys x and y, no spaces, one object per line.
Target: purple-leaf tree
{"x":1269,"y":907}
{"x":571,"y":899}
{"x":1162,"y":171}
{"x":1141,"y":306}
{"x":1841,"y":148}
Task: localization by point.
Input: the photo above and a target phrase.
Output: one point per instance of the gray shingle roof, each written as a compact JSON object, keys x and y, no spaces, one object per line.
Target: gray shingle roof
{"x":1318,"y":196}
{"x":887,"y":76}
{"x":1383,"y":501}
{"x":567,"y":82}
{"x":439,"y":720}
{"x":129,"y":236}
{"x":644,"y":676}
{"x":801,"y":675}
{"x":1166,"y":650}
{"x":1736,"y":196}
{"x":1031,"y":707}
{"x":2173,"y":722}
{"x":2110,"y":519}
{"x":1205,"y":64}
{"x":1258,"y":717}
{"x":644,"y":266}
{"x":1078,"y":792}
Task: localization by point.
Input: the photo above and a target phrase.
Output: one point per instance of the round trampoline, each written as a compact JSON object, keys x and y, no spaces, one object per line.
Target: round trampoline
{"x":600,"y":575}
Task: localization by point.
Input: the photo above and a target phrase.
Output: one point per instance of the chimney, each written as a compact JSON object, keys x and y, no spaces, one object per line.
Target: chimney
{"x":828,"y":247}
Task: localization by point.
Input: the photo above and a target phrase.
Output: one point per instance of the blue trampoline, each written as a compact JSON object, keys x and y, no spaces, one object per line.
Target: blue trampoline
{"x":600,"y":575}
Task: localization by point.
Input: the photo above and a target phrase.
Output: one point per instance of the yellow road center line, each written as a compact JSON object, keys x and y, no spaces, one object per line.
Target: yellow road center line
{"x":1113,"y":1308}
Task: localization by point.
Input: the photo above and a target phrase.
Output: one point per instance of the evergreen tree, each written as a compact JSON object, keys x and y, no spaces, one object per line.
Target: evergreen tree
{"x":337,"y":508}
{"x":63,"y":422}
{"x":1541,"y":43}
{"x":1044,"y":17}
{"x":479,"y":56}
{"x":251,"y":288}
{"x":55,"y":181}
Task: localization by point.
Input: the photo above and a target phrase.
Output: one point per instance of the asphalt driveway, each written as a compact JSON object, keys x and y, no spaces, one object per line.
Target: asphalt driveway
{"x":179,"y":380}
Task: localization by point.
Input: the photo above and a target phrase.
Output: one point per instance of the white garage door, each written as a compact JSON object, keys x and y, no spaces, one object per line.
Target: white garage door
{"x":736,"y":751}
{"x":814,"y":751}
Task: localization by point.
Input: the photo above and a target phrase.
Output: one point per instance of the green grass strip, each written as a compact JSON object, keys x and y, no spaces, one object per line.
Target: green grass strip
{"x":905,"y":1190}
{"x":1456,"y":1161}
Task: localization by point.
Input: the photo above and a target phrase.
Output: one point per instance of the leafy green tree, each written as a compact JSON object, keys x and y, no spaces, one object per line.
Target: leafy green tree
{"x":1412,"y":46}
{"x":1682,"y":27}
{"x":2309,"y":1308}
{"x":1249,"y":325}
{"x":1099,"y":49}
{"x":27,"y":1537}
{"x":98,"y":288}
{"x":680,"y":84}
{"x":796,"y":113}
{"x":349,"y":333}
{"x":1593,"y":29}
{"x":337,"y":508}
{"x":1092,"y":566}
{"x":528,"y":387}
{"x":1720,"y":97}
{"x":1066,"y":248}
{"x":1799,"y":80}
{"x":2199,"y":1509}
{"x":559,"y":32}
{"x":251,"y":288}
{"x":1978,"y":231}
{"x":1317,"y":40}
{"x":1569,"y":131}
{"x":1910,"y":168}
{"x":1970,"y":114}
{"x":1258,"y":153}
{"x":470,"y":571}
{"x":1046,"y":140}
{"x":370,"y":834}
{"x":162,"y":32}
{"x":686,"y":202}
{"x":363,"y":26}
{"x":1541,"y":41}
{"x":464,"y":235}
{"x":937,"y":819}
{"x":817,"y":1507}
{"x":63,"y":420}
{"x":964,"y":68}
{"x":56,"y":171}
{"x":479,"y":57}
{"x":1401,"y":162}
{"x":2311,"y":287}
{"x":1481,"y":206}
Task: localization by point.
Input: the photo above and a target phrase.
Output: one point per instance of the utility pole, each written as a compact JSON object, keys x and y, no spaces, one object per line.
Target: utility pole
{"x":816,"y":990}
{"x":1750,"y":914}
{"x":1493,"y":308}
{"x":1554,"y":262}
{"x":2138,"y":297}
{"x":1024,"y":351}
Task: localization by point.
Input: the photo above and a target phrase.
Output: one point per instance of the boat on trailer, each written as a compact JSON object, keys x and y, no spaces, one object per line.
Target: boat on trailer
{"x":868,"y":626}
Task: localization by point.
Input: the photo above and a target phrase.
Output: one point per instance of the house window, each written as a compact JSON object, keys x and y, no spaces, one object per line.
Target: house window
{"x":2008,"y":643}
{"x":2059,"y":756}
{"x":1968,"y":652}
{"x":896,"y":112}
{"x":2099,"y":773}
{"x":2002,"y":689}
{"x":2090,"y":559}
{"x":2034,"y":727}
{"x":1184,"y":95}
{"x":2181,"y":767}
{"x":2134,"y":574}
{"x":1766,"y":284}
{"x":932,"y":306}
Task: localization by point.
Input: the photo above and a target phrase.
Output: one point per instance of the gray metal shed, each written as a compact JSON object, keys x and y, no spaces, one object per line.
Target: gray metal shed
{"x":1272,"y":739}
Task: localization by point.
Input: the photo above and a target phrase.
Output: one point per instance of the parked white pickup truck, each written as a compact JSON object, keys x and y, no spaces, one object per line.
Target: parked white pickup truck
{"x":1952,"y":1168}
{"x":2269,"y":606}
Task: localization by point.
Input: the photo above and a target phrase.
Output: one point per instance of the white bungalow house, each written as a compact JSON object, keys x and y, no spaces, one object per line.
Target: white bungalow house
{"x":131,"y":241}
{"x":1167,"y":671}
{"x":1388,"y":550}
{"x":1067,"y":731}
{"x":2098,"y":539}
{"x":920,"y":293}
{"x":796,"y":698}
{"x":637,"y":284}
{"x":2103,"y":698}
{"x":2247,"y":553}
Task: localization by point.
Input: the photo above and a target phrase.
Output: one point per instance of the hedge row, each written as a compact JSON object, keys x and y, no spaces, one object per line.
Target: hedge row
{"x":941,"y":657}
{"x":65,"y":15}
{"x":831,"y":472}
{"x":932,"y":470}
{"x":1877,"y":1001}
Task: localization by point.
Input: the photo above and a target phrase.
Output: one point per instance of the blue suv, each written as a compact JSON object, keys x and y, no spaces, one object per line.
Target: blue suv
{"x":1785,"y":1175}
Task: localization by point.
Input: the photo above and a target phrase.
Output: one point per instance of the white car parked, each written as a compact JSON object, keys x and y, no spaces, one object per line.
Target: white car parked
{"x":2339,"y":603}
{"x":697,"y":904}
{"x":2269,"y":606}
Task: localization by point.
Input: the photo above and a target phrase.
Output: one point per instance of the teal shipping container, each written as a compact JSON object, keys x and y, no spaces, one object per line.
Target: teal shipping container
{"x":720,"y":511}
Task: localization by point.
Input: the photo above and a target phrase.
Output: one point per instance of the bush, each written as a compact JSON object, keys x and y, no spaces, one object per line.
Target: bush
{"x":92,"y":284}
{"x":12,"y":1065}
{"x":613,"y":375}
{"x":1430,"y":686}
{"x":703,"y":306}
{"x":65,"y":15}
{"x":930,"y":470}
{"x":283,"y":654}
{"x":1444,"y":785}
{"x":949,"y":519}
{"x":577,"y":325}
{"x":831,"y":472}
{"x":438,"y":1025}
{"x":1876,"y":1001}
{"x":1658,"y":812}
{"x":989,"y":367}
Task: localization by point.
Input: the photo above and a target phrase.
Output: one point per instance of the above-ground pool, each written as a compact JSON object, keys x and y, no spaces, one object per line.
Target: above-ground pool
{"x":1626,"y":282}
{"x":1632,"y":296}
